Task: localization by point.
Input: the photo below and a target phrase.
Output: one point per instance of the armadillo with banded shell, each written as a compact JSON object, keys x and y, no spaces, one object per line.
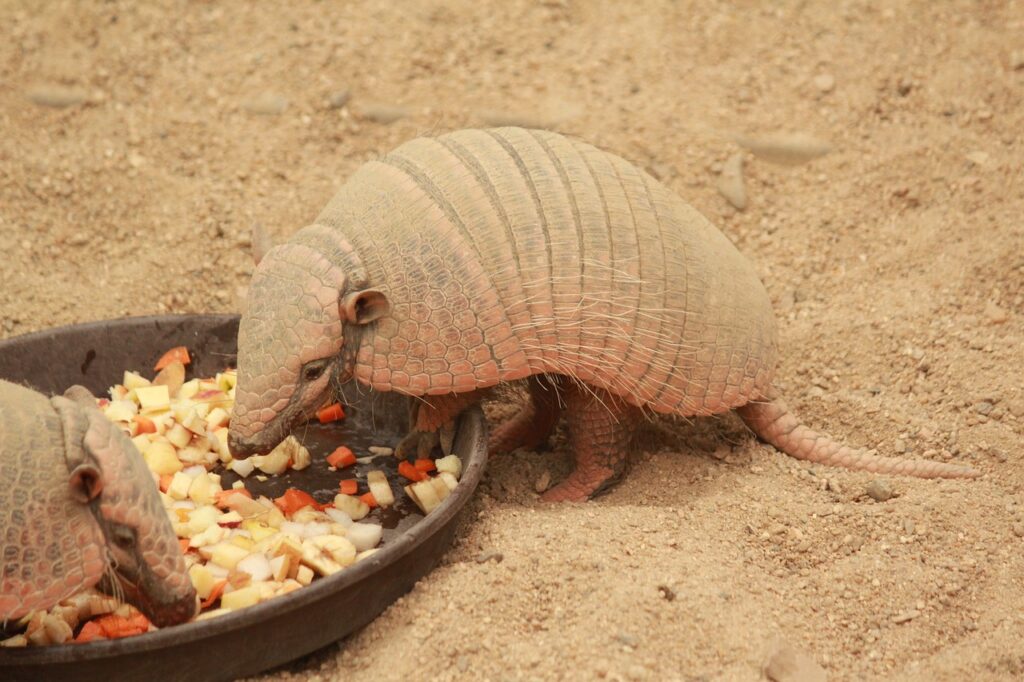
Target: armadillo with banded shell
{"x":79,"y":508}
{"x":455,"y":263}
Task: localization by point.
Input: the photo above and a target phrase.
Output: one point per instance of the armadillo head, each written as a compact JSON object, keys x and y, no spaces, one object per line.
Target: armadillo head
{"x":143,"y":555}
{"x":290,"y":344}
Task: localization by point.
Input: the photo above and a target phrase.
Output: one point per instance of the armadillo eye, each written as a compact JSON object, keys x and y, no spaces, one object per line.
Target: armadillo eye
{"x":313,"y":371}
{"x":124,"y":538}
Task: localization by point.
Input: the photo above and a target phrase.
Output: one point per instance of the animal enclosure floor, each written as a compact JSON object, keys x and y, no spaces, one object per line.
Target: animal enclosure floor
{"x":140,"y":141}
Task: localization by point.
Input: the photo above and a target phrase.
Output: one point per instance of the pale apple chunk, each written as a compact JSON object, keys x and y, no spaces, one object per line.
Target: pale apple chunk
{"x":161,"y":458}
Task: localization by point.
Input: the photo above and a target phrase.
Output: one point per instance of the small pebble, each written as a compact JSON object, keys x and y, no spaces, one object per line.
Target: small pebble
{"x":978,"y":158}
{"x":382,"y":113}
{"x":78,"y":239}
{"x":1018,"y":529}
{"x":339,"y":99}
{"x":543,"y":482}
{"x":788,"y":664}
{"x":787,"y":149}
{"x":879,"y":490}
{"x":994,"y":314}
{"x":627,"y":639}
{"x":825,"y":82}
{"x":266,"y":104}
{"x":983,"y":407}
{"x":906,"y":616}
{"x":1016,"y":408}
{"x":484,"y":557}
{"x":667,"y":593}
{"x":1017,"y":60}
{"x":899,"y":446}
{"x":57,"y":96}
{"x":730,"y":182}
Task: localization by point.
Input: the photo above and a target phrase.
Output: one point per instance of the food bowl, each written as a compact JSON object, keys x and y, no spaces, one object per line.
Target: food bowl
{"x":270,"y":633}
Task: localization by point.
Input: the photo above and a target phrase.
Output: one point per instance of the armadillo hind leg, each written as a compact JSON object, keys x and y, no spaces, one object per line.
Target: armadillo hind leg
{"x":601,"y":427}
{"x":433,"y":422}
{"x":772,"y":421}
{"x":534,"y":423}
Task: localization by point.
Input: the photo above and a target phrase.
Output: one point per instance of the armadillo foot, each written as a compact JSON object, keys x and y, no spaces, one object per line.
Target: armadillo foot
{"x":419,"y":444}
{"x":434,"y":421}
{"x":601,"y":428}
{"x":534,"y":423}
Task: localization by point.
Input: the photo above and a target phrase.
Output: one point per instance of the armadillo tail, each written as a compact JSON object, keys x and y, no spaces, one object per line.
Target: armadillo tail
{"x":772,"y":421}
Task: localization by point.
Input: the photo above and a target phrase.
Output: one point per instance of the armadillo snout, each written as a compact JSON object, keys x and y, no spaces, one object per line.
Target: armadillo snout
{"x":241,"y":447}
{"x":180,"y":611}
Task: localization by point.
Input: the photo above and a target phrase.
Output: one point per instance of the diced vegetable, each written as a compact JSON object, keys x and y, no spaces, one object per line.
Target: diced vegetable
{"x":294,"y":500}
{"x":331,"y":413}
{"x":369,"y":500}
{"x":341,"y":457}
{"x":409,"y":471}
{"x":425,"y":464}
{"x":349,"y":486}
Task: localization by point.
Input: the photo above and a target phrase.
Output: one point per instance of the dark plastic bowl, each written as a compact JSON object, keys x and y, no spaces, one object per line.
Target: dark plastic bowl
{"x":268,"y":634}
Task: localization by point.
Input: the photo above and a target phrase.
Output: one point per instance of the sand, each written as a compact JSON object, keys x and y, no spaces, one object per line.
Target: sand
{"x":140,"y":142}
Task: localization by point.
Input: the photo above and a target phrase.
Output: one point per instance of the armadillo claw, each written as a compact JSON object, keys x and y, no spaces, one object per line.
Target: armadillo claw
{"x":417,"y":443}
{"x":447,"y":434}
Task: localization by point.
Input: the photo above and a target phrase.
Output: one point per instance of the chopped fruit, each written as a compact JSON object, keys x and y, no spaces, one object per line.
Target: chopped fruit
{"x":380,"y":488}
{"x":177,"y":354}
{"x":143,"y":424}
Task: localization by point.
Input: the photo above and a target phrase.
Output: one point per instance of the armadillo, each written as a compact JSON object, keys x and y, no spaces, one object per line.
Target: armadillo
{"x":456,"y":263}
{"x":79,"y":508}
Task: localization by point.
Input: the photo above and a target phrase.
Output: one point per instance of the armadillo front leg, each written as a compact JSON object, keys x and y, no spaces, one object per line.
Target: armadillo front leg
{"x":432,"y":421}
{"x":533,"y":424}
{"x":601,"y":427}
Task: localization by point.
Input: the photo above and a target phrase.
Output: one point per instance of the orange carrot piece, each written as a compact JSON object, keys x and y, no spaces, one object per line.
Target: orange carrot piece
{"x":406,"y":468}
{"x":183,"y":542}
{"x":425,"y":464}
{"x":215,"y":593}
{"x":143,"y":424}
{"x":342,"y":457}
{"x":89,"y":632}
{"x":176,"y":354}
{"x":349,"y":486}
{"x":221,"y":498}
{"x":369,"y":499}
{"x":293,"y":500}
{"x":331,"y":413}
{"x":165,"y":482}
{"x":114,"y":626}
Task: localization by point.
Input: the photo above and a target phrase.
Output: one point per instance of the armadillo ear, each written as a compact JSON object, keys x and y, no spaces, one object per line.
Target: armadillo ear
{"x":361,"y":307}
{"x":261,"y":242}
{"x":81,"y":395}
{"x":85,"y":483}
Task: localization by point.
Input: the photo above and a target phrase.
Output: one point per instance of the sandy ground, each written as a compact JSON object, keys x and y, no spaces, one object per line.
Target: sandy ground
{"x":895,"y":264}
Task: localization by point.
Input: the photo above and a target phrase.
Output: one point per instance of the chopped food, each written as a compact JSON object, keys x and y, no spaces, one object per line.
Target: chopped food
{"x":341,"y":457}
{"x":380,"y":488}
{"x":177,"y":354}
{"x":331,"y":413}
{"x":240,"y":549}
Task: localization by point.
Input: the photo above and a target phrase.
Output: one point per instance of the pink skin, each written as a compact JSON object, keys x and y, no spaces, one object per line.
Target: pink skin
{"x":290,"y":340}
